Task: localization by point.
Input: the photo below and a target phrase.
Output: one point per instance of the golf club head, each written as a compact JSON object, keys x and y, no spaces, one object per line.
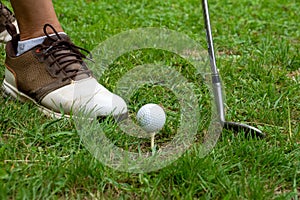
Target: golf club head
{"x":249,"y":131}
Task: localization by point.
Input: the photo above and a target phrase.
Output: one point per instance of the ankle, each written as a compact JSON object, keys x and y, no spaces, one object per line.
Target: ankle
{"x":28,"y":33}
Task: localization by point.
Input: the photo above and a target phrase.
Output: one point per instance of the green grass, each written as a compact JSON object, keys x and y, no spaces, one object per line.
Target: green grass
{"x":258,"y":53}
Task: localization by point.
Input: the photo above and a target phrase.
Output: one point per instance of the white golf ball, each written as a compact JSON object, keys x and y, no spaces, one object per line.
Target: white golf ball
{"x":151,"y":117}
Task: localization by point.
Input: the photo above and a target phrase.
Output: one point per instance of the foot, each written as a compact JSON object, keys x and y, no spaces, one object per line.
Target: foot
{"x":54,"y":76}
{"x":6,"y":17}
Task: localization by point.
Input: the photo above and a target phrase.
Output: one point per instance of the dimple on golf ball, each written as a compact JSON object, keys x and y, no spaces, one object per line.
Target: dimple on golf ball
{"x":151,"y":117}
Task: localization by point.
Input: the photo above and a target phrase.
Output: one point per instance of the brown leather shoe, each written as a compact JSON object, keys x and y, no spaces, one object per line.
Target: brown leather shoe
{"x":6,"y":17}
{"x":54,"y":76}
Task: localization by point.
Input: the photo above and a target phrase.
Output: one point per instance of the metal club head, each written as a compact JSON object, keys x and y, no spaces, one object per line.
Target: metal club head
{"x":249,"y":131}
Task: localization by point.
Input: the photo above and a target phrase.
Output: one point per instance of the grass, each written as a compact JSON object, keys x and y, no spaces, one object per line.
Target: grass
{"x":257,"y":47}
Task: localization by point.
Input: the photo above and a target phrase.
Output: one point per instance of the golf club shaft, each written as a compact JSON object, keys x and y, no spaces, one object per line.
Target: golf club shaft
{"x":217,"y":87}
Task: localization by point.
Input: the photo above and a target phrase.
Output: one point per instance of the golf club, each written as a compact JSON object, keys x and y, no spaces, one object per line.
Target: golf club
{"x":217,"y":85}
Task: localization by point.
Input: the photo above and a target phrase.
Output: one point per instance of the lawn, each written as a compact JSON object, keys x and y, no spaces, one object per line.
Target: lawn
{"x":257,"y":47}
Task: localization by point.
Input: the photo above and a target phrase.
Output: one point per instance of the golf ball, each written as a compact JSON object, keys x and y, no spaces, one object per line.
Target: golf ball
{"x":151,"y":117}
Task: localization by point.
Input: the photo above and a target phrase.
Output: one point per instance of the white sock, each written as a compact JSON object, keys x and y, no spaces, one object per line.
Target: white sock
{"x":25,"y":45}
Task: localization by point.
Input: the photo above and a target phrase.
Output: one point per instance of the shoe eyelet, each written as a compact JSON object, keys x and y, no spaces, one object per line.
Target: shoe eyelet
{"x":38,"y":50}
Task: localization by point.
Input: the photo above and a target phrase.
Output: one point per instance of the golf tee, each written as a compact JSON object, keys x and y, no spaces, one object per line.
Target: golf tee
{"x":152,"y":140}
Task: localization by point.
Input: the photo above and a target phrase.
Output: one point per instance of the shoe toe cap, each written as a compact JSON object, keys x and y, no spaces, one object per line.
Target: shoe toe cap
{"x":88,"y":96}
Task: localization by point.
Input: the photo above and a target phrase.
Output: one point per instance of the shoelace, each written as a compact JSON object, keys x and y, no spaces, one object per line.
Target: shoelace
{"x":61,"y":48}
{"x":9,"y":17}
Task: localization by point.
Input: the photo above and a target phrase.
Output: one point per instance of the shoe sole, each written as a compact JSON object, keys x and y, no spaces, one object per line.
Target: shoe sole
{"x":9,"y":90}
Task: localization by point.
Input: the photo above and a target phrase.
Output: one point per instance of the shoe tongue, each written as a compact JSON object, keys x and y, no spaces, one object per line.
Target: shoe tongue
{"x":73,"y":67}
